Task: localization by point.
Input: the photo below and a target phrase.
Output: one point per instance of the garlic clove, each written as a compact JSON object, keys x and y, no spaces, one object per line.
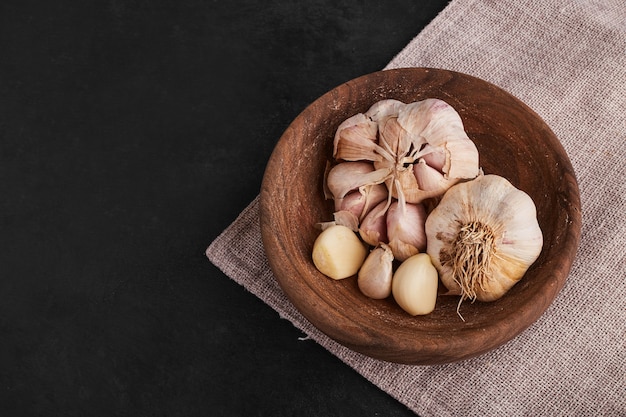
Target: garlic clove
{"x":405,"y":228}
{"x":349,"y":176}
{"x":338,"y":253}
{"x":461,"y":159}
{"x":360,"y":202}
{"x":430,"y":179}
{"x":373,"y":228}
{"x":434,"y":156}
{"x":414,"y":285}
{"x":374,"y":277}
{"x":355,"y":139}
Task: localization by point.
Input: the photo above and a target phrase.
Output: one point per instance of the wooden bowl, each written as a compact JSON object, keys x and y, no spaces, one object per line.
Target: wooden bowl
{"x":512,"y":141}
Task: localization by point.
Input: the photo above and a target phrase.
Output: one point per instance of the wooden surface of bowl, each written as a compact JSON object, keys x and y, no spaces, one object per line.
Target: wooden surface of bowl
{"x":512,"y":140}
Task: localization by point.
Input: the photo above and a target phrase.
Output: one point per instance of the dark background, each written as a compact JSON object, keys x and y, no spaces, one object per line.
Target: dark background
{"x":131,"y":134}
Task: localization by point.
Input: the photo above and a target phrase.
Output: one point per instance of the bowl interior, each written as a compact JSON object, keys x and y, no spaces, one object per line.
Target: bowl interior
{"x":512,"y":141}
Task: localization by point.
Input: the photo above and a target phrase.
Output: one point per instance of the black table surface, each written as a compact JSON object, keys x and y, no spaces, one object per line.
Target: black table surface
{"x":131,"y":134}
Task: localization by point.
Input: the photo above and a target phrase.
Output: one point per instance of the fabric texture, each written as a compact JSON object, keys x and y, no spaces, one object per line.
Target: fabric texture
{"x":566,"y":59}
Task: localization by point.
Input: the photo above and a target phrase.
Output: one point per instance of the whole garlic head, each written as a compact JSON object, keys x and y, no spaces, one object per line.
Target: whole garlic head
{"x":415,"y":151}
{"x":482,"y":237}
{"x":394,"y":136}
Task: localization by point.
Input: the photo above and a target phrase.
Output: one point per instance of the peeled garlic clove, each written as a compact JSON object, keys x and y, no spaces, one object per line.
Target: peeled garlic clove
{"x":482,"y":237}
{"x":374,"y":278}
{"x":414,"y":285}
{"x":349,"y":176}
{"x":405,"y":229}
{"x":373,"y":228}
{"x":338,"y":253}
{"x":355,"y":139}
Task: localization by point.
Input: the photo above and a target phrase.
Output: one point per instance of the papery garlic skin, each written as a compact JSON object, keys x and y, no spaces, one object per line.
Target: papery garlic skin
{"x":384,"y":108}
{"x":374,"y":277}
{"x":482,"y":237}
{"x":355,"y":139}
{"x":438,"y":125}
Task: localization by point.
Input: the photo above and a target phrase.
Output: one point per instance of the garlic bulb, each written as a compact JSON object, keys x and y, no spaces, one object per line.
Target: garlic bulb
{"x":401,"y":153}
{"x":392,"y":137}
{"x":482,"y":237}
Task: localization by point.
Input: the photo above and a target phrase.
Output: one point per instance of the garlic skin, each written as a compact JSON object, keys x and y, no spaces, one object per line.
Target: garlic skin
{"x":434,"y":122}
{"x":355,"y":139}
{"x":384,"y":108}
{"x":374,"y":278}
{"x":482,"y":237}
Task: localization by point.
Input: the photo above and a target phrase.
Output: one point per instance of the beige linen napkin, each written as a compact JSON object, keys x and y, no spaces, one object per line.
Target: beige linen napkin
{"x":567,"y":60}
